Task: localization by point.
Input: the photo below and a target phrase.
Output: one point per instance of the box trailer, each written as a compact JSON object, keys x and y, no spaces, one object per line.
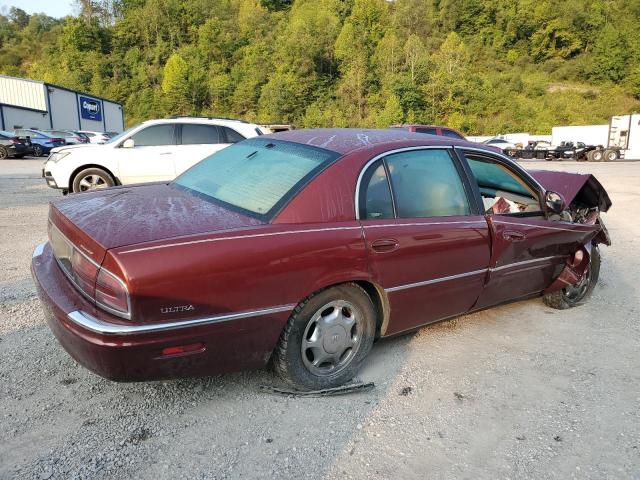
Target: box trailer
{"x":588,"y":134}
{"x":39,"y":105}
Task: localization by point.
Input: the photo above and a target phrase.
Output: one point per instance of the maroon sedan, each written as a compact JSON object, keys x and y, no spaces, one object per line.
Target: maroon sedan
{"x":304,"y":247}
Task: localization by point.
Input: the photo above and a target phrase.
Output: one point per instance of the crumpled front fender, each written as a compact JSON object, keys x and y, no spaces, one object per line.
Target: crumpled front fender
{"x":574,"y":269}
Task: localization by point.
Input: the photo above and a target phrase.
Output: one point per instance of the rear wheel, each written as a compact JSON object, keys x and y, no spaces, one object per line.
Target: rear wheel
{"x":326,"y":338}
{"x":91,"y":179}
{"x":590,"y":155}
{"x":578,"y":294}
{"x":610,"y":155}
{"x":38,"y":151}
{"x":4,"y":154}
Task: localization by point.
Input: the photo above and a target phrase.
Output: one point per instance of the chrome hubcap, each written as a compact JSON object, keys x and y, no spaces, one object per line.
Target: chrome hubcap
{"x":331,"y":338}
{"x":91,"y":182}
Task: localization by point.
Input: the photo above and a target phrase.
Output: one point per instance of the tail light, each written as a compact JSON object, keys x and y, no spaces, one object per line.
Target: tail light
{"x":111,"y":292}
{"x":84,"y":272}
{"x":15,"y":141}
{"x":96,"y":283}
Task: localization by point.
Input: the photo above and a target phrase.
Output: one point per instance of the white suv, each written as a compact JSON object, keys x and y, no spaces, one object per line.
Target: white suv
{"x":156,"y":150}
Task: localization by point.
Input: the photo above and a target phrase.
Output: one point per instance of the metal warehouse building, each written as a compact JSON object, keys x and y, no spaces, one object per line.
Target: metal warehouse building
{"x":39,"y":105}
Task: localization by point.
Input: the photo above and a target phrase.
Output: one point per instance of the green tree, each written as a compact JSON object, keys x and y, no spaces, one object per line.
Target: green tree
{"x":175,"y":84}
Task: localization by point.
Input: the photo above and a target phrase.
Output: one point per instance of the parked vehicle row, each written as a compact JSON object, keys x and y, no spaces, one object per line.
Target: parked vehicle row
{"x":303,"y":247}
{"x":156,"y":150}
{"x":29,"y":141}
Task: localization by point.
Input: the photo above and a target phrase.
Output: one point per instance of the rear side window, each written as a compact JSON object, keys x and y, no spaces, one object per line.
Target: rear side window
{"x":200,"y":134}
{"x":375,"y":196}
{"x":430,"y":131}
{"x":154,"y":136}
{"x":426,"y":183}
{"x":232,"y":135}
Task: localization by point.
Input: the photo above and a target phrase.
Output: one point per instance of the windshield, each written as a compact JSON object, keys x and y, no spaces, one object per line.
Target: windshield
{"x":118,"y":137}
{"x":256,"y":176}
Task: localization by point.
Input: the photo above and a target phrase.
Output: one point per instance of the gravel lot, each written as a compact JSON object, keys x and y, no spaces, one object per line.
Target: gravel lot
{"x":519,"y":391}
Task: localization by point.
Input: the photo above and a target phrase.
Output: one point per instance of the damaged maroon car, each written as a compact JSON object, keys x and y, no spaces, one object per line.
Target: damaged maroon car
{"x":304,"y":247}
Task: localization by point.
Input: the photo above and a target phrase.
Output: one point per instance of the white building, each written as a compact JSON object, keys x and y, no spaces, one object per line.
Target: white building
{"x":39,"y":105}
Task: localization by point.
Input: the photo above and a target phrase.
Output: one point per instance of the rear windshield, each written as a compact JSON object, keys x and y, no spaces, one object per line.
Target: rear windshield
{"x":256,"y":176}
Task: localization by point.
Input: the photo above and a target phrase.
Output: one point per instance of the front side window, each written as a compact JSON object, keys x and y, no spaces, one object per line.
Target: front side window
{"x":155,"y":135}
{"x":375,"y":201}
{"x":502,"y":191}
{"x":426,"y":183}
{"x":256,"y":176}
{"x":195,"y":134}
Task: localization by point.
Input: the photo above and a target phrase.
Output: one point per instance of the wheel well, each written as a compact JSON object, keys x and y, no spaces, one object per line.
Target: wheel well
{"x":91,"y":165}
{"x":380,"y":302}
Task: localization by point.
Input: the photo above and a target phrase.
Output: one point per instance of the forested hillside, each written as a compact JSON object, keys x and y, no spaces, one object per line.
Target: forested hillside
{"x":483,"y":66}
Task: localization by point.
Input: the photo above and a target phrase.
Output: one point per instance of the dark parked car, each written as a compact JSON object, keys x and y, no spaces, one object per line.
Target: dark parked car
{"x":12,"y":146}
{"x":431,"y":130}
{"x":71,"y":137}
{"x":569,"y":150}
{"x":304,"y":247}
{"x":41,"y":142}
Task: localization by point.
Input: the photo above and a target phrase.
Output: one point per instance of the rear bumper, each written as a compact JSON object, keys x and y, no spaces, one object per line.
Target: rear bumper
{"x":118,"y":350}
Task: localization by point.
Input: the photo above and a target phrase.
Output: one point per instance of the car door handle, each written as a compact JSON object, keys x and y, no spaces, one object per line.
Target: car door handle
{"x":166,"y":153}
{"x":512,"y":236}
{"x":384,"y":245}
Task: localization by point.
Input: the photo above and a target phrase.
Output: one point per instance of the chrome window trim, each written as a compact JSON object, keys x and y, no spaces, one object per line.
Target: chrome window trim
{"x":482,"y":222}
{"x":384,"y":154}
{"x":126,"y":315}
{"x":89,"y":322}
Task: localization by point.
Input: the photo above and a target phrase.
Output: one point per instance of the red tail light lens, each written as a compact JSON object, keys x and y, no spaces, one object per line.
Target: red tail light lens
{"x":96,"y":283}
{"x":111,"y":292}
{"x":84,"y":272}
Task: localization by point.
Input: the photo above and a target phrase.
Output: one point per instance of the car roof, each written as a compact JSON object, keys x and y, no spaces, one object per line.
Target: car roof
{"x":347,"y":140}
{"x":205,"y":120}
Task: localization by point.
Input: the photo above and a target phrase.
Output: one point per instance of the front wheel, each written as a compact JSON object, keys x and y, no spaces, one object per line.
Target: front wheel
{"x":326,"y":338}
{"x":91,"y":179}
{"x":4,"y":154}
{"x":578,"y":294}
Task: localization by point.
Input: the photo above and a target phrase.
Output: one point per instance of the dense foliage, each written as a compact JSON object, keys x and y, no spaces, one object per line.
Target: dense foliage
{"x":484,"y":66}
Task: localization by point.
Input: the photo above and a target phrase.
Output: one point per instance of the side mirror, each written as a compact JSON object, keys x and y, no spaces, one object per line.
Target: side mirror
{"x":128,"y":143}
{"x":554,"y":202}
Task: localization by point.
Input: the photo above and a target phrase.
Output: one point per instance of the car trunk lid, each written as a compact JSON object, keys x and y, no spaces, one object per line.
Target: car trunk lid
{"x":122,"y":216}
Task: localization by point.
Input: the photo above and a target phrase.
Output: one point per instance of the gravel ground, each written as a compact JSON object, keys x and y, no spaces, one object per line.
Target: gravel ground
{"x":519,"y":391}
